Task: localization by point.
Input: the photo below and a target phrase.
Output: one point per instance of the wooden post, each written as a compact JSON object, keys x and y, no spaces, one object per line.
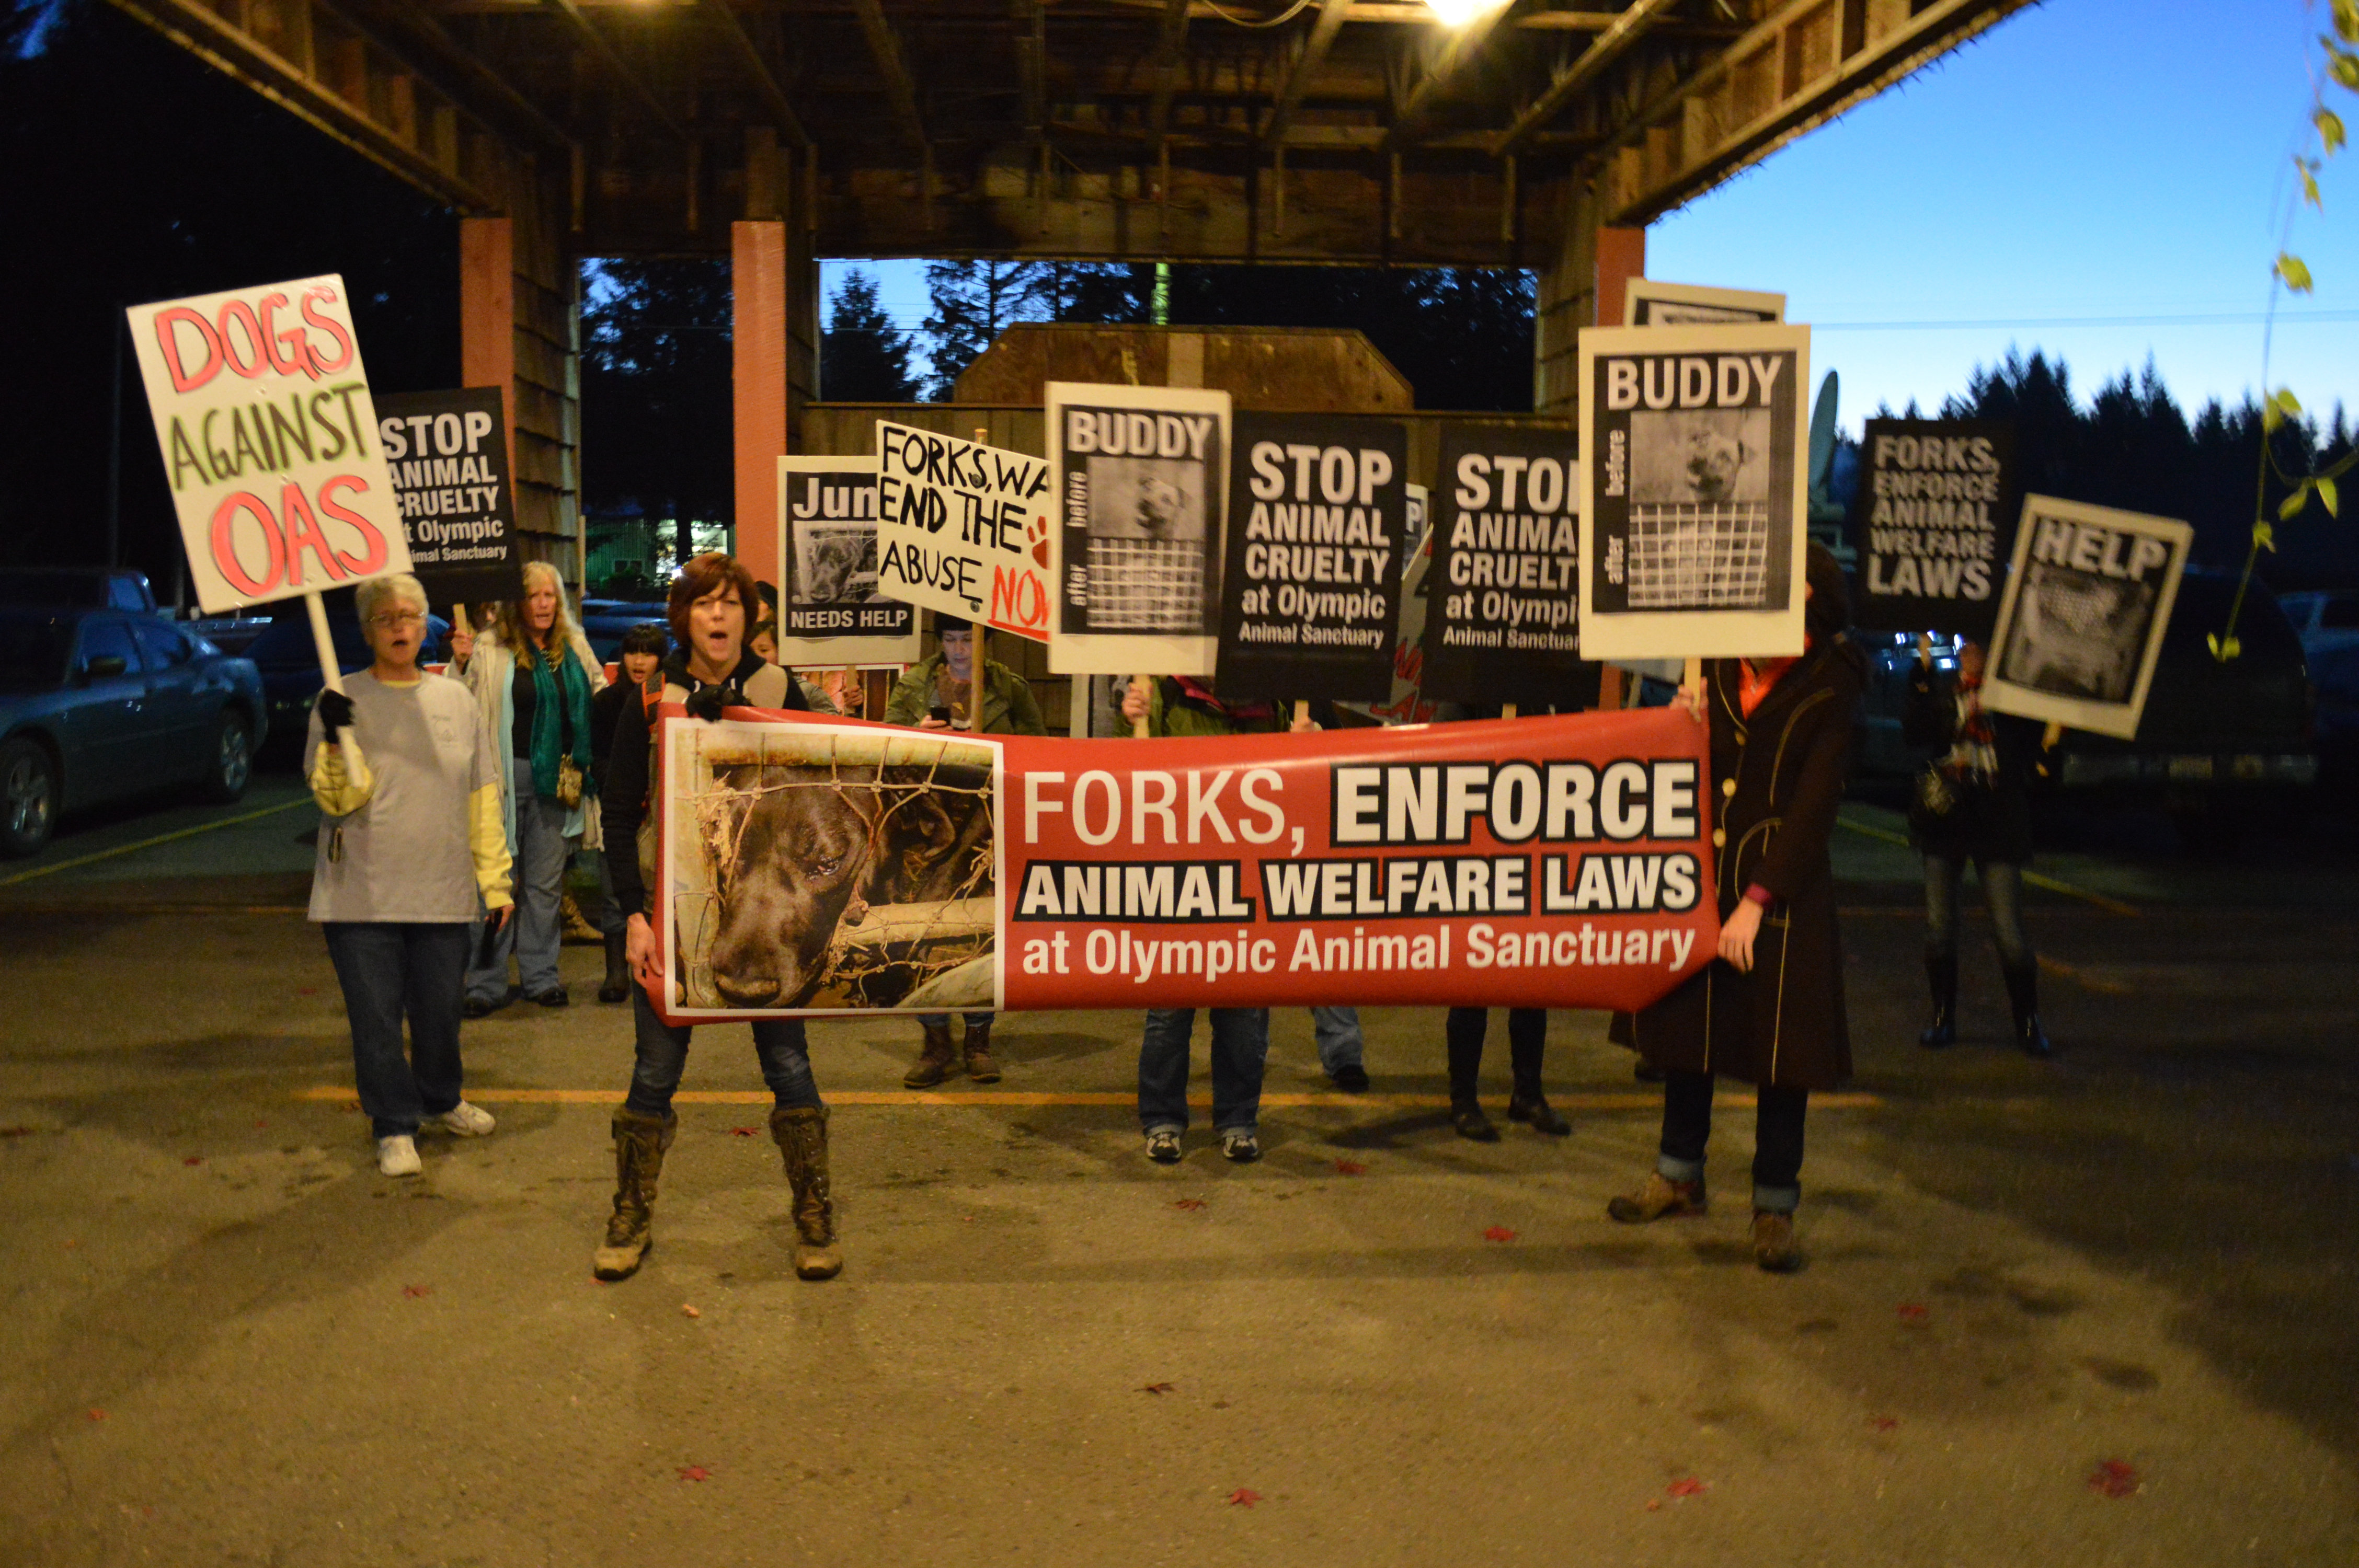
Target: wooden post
{"x":1609,"y":688}
{"x":1507,"y":710}
{"x":1302,"y":712}
{"x":1138,"y":727}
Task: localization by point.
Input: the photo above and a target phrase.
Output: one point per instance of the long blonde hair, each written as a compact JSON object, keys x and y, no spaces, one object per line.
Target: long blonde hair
{"x":509,"y":623}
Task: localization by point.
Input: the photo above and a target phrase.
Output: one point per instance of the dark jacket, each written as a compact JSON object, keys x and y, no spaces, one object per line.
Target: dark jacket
{"x":1990,"y":818}
{"x":623,"y":795}
{"x":602,"y":710}
{"x":1777,"y":777}
{"x":1172,"y":710}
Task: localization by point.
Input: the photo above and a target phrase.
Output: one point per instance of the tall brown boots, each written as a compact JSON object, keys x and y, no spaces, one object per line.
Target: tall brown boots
{"x":935,"y":1063}
{"x":977,"y":1045}
{"x":801,"y":1134}
{"x":639,"y":1144}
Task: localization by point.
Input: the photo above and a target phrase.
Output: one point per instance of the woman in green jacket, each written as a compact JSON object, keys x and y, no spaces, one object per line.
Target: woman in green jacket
{"x":943,"y":693}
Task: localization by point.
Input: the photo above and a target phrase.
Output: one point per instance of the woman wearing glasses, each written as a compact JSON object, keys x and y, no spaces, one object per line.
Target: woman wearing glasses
{"x":410,"y":844}
{"x":533,"y":675}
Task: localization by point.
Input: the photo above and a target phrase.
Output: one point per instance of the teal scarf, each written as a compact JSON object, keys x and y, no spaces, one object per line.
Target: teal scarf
{"x":567,"y":684}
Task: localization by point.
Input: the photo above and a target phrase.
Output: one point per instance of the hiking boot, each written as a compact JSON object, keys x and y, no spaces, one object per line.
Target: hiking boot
{"x":1472,"y":1124}
{"x":1660,"y":1199}
{"x":935,"y":1063}
{"x":1942,"y":973}
{"x":1773,"y":1242}
{"x":616,"y":987}
{"x":639,"y":1144}
{"x":1163,"y":1146}
{"x":979,"y":1064}
{"x":1537,"y":1110}
{"x":464,"y":1121}
{"x":398,"y":1156}
{"x":800,"y":1132}
{"x":578,"y":931}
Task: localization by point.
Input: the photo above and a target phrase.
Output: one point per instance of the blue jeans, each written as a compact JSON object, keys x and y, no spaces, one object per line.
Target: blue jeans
{"x":976,"y":1023}
{"x":1240,"y":1051}
{"x":2002,"y":891}
{"x":662,"y":1057}
{"x":613,"y":920}
{"x":389,"y":970}
{"x":1338,"y":1031}
{"x":1777,"y":1120}
{"x":534,"y":932}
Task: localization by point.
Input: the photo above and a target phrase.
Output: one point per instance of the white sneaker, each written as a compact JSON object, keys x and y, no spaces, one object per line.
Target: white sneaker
{"x":467,"y":1121}
{"x":398,"y":1156}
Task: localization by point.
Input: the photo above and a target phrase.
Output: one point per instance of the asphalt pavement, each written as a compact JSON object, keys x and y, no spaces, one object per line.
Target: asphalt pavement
{"x":2096,"y":1310}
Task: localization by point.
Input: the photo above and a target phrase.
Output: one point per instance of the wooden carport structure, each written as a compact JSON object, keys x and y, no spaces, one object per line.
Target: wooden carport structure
{"x":1532,"y":134}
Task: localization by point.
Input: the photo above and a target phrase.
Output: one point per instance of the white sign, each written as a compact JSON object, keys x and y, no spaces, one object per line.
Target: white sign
{"x":962,"y":529}
{"x":1141,"y":485}
{"x":263,"y":414}
{"x":1647,"y":303}
{"x":2086,"y":605}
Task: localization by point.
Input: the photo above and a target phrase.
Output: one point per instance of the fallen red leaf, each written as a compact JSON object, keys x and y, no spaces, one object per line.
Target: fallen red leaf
{"x":15,"y":1131}
{"x":1685,"y":1486}
{"x":743,"y":1132}
{"x":1243,"y":1498}
{"x":1498,"y":1232}
{"x":1155,"y":1389}
{"x":694,"y":1473}
{"x":1350,"y":1168}
{"x":1654,"y":1505}
{"x":1190,"y":1204}
{"x":688,"y":1310}
{"x":1912,"y":1312}
{"x":414,"y":1290}
{"x":2114,"y":1479}
{"x":98,"y":1415}
{"x":262,"y":1124}
{"x":1883,"y":1422}
{"x":307,"y":991}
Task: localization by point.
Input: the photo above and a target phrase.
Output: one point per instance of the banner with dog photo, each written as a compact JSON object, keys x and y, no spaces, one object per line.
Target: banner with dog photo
{"x":1694,"y":448}
{"x":2081,"y":624}
{"x":830,"y":609}
{"x":814,"y":865}
{"x":1139,"y":477}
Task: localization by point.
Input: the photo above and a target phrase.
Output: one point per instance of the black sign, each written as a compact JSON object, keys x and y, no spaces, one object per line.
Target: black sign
{"x":1934,"y":524}
{"x":448,"y":454}
{"x":829,"y":564}
{"x":1311,"y":590}
{"x":1503,"y":595}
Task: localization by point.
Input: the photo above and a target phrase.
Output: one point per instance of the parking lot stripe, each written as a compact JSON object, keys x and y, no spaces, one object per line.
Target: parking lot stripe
{"x":151,"y":843}
{"x":2030,"y":878}
{"x":995,"y":1098}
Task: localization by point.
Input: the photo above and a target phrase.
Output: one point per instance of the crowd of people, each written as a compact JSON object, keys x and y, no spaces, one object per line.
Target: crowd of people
{"x":453,"y":809}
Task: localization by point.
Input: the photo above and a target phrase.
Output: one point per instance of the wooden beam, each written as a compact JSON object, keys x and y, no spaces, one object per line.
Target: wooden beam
{"x":741,"y":44}
{"x":1603,"y":50}
{"x":900,"y":88}
{"x":1331,"y":17}
{"x":1031,"y":21}
{"x":614,"y":63}
{"x":1449,"y":70}
{"x":1170,"y":44}
{"x":487,"y":95}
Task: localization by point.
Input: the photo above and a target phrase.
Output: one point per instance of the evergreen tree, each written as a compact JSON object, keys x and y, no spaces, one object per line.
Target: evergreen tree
{"x":973,"y":302}
{"x":863,"y":357}
{"x":657,"y":416}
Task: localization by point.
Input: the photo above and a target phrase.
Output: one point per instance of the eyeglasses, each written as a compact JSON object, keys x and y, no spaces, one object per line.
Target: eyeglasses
{"x":395,"y":618}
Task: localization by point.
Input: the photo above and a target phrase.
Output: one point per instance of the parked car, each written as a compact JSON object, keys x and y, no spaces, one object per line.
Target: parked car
{"x":289,"y":661}
{"x":603,"y":622}
{"x":2324,"y":620}
{"x":2334,"y":678}
{"x":98,"y":705}
{"x":78,"y":588}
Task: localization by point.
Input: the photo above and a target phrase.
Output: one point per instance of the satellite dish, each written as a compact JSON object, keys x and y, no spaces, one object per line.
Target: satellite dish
{"x":1822,"y":434}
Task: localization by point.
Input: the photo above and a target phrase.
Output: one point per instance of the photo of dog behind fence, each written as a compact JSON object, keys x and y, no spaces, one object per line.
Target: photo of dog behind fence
{"x":814,"y":868}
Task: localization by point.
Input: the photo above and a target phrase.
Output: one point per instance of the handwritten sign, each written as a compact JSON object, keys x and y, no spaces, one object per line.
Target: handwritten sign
{"x":962,"y":528}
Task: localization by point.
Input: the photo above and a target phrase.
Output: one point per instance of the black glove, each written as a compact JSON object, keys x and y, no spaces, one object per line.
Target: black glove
{"x":707,"y":701}
{"x":335,"y":711}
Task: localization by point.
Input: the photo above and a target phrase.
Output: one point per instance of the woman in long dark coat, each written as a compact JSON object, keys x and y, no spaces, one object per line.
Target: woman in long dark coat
{"x":1770,"y":1011}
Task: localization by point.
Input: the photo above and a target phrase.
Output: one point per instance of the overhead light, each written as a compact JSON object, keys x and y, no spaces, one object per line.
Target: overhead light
{"x":1458,"y":13}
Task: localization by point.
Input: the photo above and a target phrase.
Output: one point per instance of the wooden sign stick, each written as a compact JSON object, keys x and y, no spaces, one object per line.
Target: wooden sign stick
{"x":1302,"y":712}
{"x":1139,"y":731}
{"x":1507,"y":710}
{"x":325,"y":642}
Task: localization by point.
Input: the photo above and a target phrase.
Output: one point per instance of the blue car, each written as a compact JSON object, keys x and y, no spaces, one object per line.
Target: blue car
{"x":289,"y":660}
{"x":100,"y":705}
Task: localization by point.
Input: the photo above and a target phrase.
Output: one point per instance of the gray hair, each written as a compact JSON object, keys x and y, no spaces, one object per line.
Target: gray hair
{"x":392,"y":585}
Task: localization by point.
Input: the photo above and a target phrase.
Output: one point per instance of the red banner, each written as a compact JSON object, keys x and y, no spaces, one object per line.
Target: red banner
{"x":824,"y":866}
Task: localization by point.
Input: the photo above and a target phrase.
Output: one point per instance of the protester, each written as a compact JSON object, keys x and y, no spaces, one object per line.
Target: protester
{"x":1972,"y":801}
{"x":1770,"y":1009}
{"x":639,"y":656}
{"x":763,"y":640}
{"x":410,"y":849}
{"x":940,"y":692}
{"x":533,"y":675}
{"x":714,"y":669}
{"x":1526,"y":1044}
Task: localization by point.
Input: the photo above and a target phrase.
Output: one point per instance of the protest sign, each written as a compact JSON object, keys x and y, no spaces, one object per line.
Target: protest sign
{"x":447,"y":455}
{"x":263,"y":413}
{"x":1141,"y":474}
{"x":1375,"y":867}
{"x":1933,"y":521}
{"x":1502,"y":614}
{"x":1692,"y":512}
{"x":1311,"y":590}
{"x":1406,"y":702}
{"x":2081,"y":625}
{"x":963,"y":529}
{"x":830,"y":610}
{"x":1647,"y":303}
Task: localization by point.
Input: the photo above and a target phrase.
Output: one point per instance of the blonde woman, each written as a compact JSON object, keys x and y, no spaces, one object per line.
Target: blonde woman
{"x":410,"y":849}
{"x":533,"y":675}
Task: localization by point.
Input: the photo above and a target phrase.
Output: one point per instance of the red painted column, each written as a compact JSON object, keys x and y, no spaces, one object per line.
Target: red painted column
{"x":1620,"y":256}
{"x":757,"y":288}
